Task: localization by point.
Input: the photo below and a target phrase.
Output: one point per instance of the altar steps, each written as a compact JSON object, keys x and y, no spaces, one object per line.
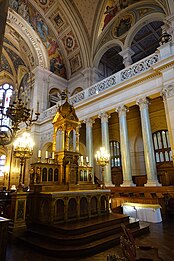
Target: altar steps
{"x":80,"y":238}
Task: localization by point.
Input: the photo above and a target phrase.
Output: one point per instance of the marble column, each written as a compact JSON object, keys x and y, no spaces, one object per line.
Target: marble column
{"x":124,"y":145}
{"x":149,"y":154}
{"x":105,"y":143}
{"x":168,"y":98}
{"x":127,"y":54}
{"x":89,"y":143}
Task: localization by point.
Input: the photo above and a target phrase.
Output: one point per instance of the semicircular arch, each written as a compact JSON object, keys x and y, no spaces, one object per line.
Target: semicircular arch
{"x":142,"y":22}
{"x":105,"y":48}
{"x":30,"y":36}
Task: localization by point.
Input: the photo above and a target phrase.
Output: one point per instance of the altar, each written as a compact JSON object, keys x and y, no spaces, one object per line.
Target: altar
{"x":143,"y":212}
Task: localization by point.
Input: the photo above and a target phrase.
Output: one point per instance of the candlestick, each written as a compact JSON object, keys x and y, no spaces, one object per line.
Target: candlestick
{"x":87,"y":160}
{"x":81,"y":160}
{"x":53,"y":155}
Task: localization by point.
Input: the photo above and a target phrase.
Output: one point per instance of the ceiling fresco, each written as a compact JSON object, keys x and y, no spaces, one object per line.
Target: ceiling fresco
{"x":69,"y":31}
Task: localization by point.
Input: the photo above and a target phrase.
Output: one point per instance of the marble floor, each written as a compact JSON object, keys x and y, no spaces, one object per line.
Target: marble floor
{"x":161,"y":235}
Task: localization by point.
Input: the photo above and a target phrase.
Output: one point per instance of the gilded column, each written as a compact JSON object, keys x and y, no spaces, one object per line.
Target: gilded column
{"x":105,"y":143}
{"x":89,"y":143}
{"x":148,"y":143}
{"x":77,"y":139}
{"x":124,"y":145}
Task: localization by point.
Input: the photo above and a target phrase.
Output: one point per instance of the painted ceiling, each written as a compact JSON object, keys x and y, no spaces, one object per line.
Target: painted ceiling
{"x":60,"y":35}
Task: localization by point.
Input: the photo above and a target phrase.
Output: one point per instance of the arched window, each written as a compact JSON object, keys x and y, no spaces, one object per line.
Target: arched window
{"x":54,"y":96}
{"x":162,"y":146}
{"x":115,"y":153}
{"x":5,"y":94}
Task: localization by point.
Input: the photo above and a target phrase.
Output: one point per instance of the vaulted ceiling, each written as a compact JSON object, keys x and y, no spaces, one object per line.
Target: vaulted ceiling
{"x":64,"y":36}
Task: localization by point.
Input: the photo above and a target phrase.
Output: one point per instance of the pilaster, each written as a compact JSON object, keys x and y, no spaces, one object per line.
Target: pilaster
{"x":168,"y":98}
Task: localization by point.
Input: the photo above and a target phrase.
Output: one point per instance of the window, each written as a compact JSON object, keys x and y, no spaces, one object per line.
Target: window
{"x":54,"y":96}
{"x":162,"y":146}
{"x":5,"y":94}
{"x":115,"y":154}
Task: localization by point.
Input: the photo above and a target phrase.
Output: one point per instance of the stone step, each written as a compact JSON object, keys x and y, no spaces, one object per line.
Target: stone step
{"x":82,"y":239}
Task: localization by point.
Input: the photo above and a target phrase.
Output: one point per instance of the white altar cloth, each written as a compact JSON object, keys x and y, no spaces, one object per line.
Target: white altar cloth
{"x":143,"y":212}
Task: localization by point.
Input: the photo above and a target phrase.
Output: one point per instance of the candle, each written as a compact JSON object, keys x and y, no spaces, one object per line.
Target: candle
{"x":37,"y":106}
{"x":81,"y":159}
{"x":39,"y":153}
{"x":53,"y":155}
{"x":87,"y":160}
{"x":46,"y":154}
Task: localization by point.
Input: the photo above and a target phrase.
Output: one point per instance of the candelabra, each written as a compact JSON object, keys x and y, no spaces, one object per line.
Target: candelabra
{"x":17,"y":112}
{"x":23,"y":149}
{"x":102,"y":159}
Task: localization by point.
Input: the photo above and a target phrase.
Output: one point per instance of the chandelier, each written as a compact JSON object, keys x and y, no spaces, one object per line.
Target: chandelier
{"x":17,"y":112}
{"x":102,"y":159}
{"x":23,"y":149}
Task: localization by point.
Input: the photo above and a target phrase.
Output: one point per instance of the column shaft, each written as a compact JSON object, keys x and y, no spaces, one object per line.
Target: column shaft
{"x":124,"y":145}
{"x":105,"y":143}
{"x":89,"y":144}
{"x":148,"y":143}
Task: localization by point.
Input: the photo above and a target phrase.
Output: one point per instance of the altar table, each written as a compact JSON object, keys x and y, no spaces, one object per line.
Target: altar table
{"x":143,"y":212}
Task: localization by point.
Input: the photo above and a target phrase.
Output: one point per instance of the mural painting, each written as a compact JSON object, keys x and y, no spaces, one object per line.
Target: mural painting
{"x":114,"y":7}
{"x":46,"y":35}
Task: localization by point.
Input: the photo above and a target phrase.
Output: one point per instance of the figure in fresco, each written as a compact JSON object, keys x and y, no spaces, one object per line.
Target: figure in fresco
{"x":42,"y":28}
{"x":116,"y":6}
{"x":23,"y":10}
{"x":124,"y":25}
{"x":14,"y":4}
{"x":110,"y":13}
{"x":52,"y":46}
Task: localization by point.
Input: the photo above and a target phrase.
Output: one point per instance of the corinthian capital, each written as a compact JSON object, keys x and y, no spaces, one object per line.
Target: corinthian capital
{"x":104,"y":116}
{"x":167,"y":91}
{"x":143,"y":103}
{"x":122,"y":110}
{"x":89,"y":122}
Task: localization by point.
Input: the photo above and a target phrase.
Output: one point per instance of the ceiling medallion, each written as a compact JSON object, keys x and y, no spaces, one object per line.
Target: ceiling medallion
{"x":43,"y":2}
{"x":122,"y":25}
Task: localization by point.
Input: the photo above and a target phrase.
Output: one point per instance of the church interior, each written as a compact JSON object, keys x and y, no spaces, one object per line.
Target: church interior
{"x":86,"y":125}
